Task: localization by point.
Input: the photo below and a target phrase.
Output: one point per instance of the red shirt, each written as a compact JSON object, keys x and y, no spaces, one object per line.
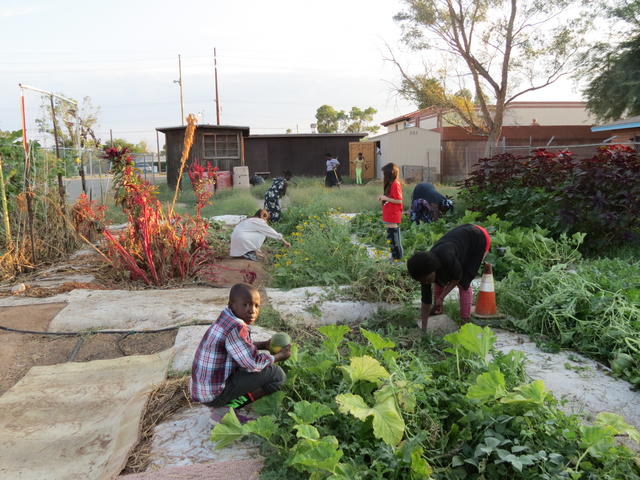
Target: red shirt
{"x":392,"y":212}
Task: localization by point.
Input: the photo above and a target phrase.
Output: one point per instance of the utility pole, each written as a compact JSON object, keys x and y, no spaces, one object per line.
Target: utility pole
{"x":179,"y":82}
{"x":158,"y":149}
{"x":111,"y":136}
{"x":215,"y":69}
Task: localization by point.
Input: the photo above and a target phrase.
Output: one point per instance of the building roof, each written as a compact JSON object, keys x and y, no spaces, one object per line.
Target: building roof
{"x":307,"y":135}
{"x":245,"y":130}
{"x":430,"y":131}
{"x":631,"y":122}
{"x":408,"y":116}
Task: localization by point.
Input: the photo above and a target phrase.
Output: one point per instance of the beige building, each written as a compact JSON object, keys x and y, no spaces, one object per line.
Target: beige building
{"x":415,"y":150}
{"x":517,"y":114}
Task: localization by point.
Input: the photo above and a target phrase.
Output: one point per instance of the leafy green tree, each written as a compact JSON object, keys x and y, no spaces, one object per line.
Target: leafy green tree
{"x":614,"y":69}
{"x":499,"y":49}
{"x":66,"y":122}
{"x":330,"y":120}
{"x":140,"y":147}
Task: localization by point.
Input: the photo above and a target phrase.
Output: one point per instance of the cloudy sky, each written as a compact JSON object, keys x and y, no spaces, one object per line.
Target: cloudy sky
{"x":278,"y":60}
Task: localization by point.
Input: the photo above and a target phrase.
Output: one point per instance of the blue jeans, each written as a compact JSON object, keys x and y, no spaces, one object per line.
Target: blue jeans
{"x":395,"y":243}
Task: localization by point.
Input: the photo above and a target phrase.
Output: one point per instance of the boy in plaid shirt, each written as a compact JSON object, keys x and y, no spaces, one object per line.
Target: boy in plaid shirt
{"x":228,"y":370}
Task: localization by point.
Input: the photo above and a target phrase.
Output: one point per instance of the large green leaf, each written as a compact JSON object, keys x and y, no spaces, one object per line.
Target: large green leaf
{"x":307,"y":431}
{"x":532,"y":393}
{"x":388,"y":424}
{"x":489,"y":386}
{"x":474,"y":339}
{"x":376,"y":341}
{"x":309,"y":412}
{"x":420,"y":468}
{"x":598,"y":440}
{"x":227,"y":431}
{"x":269,"y":404}
{"x":617,"y":423}
{"x":316,"y":455}
{"x":264,"y":427}
{"x":365,"y":368}
{"x":335,"y":335}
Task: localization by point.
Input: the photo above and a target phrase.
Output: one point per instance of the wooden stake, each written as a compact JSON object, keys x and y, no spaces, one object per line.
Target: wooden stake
{"x":5,"y":210}
{"x":27,"y":181}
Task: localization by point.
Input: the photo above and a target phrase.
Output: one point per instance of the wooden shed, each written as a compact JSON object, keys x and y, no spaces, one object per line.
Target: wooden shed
{"x":220,"y":145}
{"x":303,"y":154}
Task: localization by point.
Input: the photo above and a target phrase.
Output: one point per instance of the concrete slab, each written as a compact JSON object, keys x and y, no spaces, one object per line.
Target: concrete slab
{"x":139,"y":309}
{"x":440,"y":325}
{"x":310,"y":306}
{"x":188,"y":339}
{"x":229,"y":220}
{"x":184,"y":440}
{"x":18,"y":301}
{"x":236,"y":470}
{"x":582,"y":382}
{"x":76,"y":420}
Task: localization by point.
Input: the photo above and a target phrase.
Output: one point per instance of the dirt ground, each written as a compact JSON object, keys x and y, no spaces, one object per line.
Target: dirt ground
{"x":20,"y":352}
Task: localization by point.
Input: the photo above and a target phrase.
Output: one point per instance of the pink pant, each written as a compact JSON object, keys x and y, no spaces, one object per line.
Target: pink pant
{"x":466,"y":299}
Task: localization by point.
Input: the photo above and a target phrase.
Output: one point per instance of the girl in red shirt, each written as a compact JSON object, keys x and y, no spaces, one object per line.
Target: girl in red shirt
{"x":392,"y":208}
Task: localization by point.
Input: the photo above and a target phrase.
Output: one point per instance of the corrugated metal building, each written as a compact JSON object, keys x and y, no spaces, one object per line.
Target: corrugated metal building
{"x":303,"y":154}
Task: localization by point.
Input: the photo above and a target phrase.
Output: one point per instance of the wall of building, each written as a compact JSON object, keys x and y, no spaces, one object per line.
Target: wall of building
{"x":569,"y":114}
{"x":411,"y":147}
{"x":303,"y":155}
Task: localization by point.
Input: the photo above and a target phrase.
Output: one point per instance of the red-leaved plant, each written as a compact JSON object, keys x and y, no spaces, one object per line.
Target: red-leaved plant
{"x":157,"y":246}
{"x":203,"y":180}
{"x":88,"y":217}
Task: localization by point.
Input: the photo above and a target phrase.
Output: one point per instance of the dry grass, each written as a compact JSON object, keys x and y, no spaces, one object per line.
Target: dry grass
{"x":169,"y":397}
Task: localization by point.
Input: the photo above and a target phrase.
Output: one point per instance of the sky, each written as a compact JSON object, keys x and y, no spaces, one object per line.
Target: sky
{"x":278,"y":61}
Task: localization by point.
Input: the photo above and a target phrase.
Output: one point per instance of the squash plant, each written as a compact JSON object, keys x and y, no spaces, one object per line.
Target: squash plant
{"x":366,"y":408}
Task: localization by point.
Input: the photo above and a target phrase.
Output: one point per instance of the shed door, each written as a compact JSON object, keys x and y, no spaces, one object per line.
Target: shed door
{"x":368,"y":150}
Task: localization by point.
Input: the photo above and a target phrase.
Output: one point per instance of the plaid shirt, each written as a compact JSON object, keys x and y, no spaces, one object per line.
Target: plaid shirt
{"x":225,"y":347}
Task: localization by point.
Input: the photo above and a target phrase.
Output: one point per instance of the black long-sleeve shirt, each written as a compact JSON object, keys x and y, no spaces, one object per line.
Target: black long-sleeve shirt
{"x":460,"y":252}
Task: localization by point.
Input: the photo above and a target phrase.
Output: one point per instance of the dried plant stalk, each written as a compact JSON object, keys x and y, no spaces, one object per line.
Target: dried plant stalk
{"x":186,"y":148}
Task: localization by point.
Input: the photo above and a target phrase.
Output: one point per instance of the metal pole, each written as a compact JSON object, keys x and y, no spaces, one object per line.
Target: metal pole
{"x":158,"y":149}
{"x":27,"y":183}
{"x":111,"y":137}
{"x":215,"y":68}
{"x":79,"y":153}
{"x":180,"y":83}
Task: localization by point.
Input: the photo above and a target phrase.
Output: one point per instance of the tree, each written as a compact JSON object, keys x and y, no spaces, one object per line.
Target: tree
{"x":66,"y":122}
{"x":140,"y":147}
{"x":499,"y":49}
{"x":614,"y":69}
{"x":330,"y":120}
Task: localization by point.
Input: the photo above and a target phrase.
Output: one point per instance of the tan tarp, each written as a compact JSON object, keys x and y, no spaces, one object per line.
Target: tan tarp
{"x":76,"y":420}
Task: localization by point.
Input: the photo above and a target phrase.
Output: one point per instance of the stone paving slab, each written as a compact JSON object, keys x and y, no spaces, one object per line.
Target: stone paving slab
{"x":228,"y":220}
{"x":188,"y":339}
{"x":440,"y":324}
{"x":307,"y":306}
{"x":582,"y":382}
{"x":184,"y":440}
{"x":76,"y":420}
{"x":18,"y":300}
{"x":139,"y":309}
{"x":236,"y":470}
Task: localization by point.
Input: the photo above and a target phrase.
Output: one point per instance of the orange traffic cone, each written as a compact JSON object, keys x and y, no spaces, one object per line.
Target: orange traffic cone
{"x":486,"y":302}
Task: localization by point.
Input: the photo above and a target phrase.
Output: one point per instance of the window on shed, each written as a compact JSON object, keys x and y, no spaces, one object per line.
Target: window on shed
{"x":221,"y":146}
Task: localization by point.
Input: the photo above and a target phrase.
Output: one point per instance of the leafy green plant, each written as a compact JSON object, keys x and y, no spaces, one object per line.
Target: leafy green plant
{"x":383,"y":412}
